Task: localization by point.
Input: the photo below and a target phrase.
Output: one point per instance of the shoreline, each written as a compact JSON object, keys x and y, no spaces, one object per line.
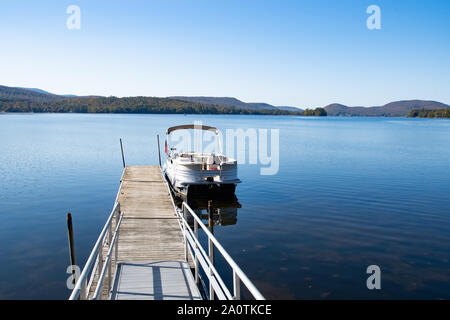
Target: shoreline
{"x":219,"y":114}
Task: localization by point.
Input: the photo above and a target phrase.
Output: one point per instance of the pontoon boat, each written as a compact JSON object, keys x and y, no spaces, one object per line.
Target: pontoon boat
{"x":190,"y":172}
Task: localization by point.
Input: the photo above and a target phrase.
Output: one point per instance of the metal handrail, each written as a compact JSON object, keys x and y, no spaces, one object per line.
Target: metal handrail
{"x":206,"y":259}
{"x":95,"y":260}
{"x":107,"y":263}
{"x":212,"y":274}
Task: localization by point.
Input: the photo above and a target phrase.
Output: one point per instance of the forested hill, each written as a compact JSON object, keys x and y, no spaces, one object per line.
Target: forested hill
{"x":393,"y":109}
{"x":11,"y":93}
{"x":236,"y":103}
{"x":422,"y":113}
{"x":36,"y":100}
{"x":126,"y":105}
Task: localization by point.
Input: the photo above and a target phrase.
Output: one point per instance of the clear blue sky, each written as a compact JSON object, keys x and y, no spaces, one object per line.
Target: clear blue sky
{"x":300,"y":53}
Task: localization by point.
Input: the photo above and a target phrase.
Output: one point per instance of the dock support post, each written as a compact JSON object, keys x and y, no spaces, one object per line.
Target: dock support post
{"x":236,"y":286}
{"x":211,"y":274}
{"x":159,"y":151}
{"x":123,"y":157}
{"x":211,"y":248}
{"x":197,"y":279}
{"x":184,"y":235}
{"x":71,"y":247}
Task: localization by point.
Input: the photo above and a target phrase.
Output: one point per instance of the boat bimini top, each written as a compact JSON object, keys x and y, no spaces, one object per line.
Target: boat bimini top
{"x":192,"y":126}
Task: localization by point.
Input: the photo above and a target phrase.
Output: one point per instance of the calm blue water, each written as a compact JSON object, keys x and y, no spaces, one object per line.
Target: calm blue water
{"x":350,"y":192}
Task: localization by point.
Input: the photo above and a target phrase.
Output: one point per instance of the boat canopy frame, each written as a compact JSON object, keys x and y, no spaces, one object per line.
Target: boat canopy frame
{"x":192,"y":126}
{"x":195,"y":127}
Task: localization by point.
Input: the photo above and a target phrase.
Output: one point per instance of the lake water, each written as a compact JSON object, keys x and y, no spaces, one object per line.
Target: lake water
{"x":350,"y":192}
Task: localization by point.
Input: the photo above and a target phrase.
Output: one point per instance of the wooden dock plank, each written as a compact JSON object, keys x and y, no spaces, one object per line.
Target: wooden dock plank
{"x":144,"y":194}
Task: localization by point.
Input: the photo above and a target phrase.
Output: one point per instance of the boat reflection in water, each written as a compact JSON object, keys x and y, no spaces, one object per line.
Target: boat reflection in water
{"x":223,"y":213}
{"x":223,"y":208}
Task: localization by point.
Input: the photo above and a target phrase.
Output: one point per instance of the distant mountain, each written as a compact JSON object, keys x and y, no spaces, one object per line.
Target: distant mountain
{"x":46,"y":92}
{"x":34,"y":94}
{"x":295,"y":109}
{"x":126,"y":105}
{"x":14,"y":99}
{"x":12,"y":93}
{"x":38,"y":91}
{"x":61,"y":95}
{"x":36,"y":100}
{"x":393,"y":109}
{"x":233,"y":102}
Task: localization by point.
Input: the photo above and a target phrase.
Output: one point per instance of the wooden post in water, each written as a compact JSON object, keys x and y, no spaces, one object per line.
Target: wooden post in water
{"x":71,"y":245}
{"x":123,"y":157}
{"x":159,"y":151}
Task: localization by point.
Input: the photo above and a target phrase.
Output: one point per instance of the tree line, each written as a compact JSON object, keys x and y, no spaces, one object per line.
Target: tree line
{"x":318,"y":112}
{"x":436,"y":113}
{"x":129,"y":105}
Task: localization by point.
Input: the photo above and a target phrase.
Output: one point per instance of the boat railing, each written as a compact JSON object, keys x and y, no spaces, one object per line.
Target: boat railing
{"x":200,"y":258}
{"x":97,"y":265}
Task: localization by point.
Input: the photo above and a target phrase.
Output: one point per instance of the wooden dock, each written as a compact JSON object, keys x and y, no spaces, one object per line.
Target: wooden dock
{"x":151,"y":252}
{"x":148,"y":250}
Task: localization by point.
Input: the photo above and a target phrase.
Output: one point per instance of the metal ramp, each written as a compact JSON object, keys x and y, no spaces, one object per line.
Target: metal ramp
{"x":161,"y":280}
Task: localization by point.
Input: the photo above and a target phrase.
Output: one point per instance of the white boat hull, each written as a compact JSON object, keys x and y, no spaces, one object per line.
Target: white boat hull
{"x":181,"y":176}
